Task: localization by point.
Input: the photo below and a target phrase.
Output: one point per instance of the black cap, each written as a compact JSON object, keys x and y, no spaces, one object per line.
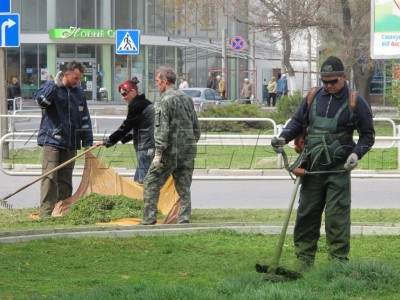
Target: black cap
{"x":332,"y":66}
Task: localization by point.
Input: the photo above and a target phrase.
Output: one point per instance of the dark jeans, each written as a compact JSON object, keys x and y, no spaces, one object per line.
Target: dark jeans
{"x":144,"y":160}
{"x":273,"y":97}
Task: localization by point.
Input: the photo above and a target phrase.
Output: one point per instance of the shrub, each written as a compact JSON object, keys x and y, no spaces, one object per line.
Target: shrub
{"x":286,"y":107}
{"x":234,"y":110}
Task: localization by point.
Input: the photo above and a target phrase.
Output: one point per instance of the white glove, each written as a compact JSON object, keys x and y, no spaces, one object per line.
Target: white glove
{"x":58,"y":78}
{"x":278,"y":144}
{"x":352,"y":162}
{"x":157,"y":161}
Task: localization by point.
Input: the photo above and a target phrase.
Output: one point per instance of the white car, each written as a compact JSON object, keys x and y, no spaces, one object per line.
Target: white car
{"x":203,"y":97}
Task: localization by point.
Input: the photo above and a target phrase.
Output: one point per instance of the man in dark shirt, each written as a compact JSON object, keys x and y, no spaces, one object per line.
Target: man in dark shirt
{"x":331,"y":151}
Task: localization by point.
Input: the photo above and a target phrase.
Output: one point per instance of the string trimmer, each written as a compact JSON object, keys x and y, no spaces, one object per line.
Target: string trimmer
{"x":274,"y":272}
{"x":3,"y":201}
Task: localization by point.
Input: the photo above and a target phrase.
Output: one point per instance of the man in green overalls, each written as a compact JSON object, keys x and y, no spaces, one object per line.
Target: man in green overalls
{"x":331,"y":151}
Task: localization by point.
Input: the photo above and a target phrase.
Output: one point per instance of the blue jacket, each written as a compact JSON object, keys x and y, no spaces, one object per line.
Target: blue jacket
{"x":282,"y":85}
{"x":65,"y":120}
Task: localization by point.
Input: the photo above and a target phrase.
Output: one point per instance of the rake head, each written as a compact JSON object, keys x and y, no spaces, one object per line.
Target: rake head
{"x":5,"y":204}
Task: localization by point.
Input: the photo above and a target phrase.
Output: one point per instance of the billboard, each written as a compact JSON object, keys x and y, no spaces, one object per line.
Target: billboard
{"x":385,"y":29}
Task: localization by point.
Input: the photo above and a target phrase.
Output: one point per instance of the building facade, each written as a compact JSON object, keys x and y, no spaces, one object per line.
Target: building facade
{"x":56,"y":31}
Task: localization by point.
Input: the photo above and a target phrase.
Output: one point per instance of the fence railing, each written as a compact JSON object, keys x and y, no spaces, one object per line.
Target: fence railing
{"x":382,"y":142}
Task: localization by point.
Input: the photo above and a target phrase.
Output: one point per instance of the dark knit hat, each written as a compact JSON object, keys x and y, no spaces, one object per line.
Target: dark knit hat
{"x":332,"y":66}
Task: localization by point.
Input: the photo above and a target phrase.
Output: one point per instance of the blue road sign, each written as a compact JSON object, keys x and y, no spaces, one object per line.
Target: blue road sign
{"x":127,"y":41}
{"x":238,"y":44}
{"x":9,"y":30}
{"x":5,"y":6}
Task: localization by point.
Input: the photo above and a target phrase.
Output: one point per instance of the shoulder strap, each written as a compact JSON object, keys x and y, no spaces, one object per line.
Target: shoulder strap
{"x":311,"y":95}
{"x":352,"y":104}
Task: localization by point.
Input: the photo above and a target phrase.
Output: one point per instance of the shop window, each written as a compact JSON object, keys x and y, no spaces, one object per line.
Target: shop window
{"x":65,"y":14}
{"x":33,"y":14}
{"x":66,"y":51}
{"x":123,"y":14}
{"x":208,"y":16}
{"x":86,"y":14}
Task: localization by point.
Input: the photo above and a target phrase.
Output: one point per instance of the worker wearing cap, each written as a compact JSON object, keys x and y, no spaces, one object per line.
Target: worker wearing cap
{"x":329,"y":147}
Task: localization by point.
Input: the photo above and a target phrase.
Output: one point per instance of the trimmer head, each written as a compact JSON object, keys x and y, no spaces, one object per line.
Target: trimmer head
{"x":277,"y":274}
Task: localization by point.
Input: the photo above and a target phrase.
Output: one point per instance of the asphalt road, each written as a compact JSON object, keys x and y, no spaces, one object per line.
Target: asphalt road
{"x":366,"y":193}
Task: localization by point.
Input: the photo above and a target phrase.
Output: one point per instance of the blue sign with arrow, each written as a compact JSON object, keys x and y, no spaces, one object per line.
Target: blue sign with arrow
{"x":9,"y":30}
{"x":5,"y":6}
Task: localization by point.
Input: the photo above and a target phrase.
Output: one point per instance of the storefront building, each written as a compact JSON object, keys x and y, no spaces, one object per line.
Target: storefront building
{"x":56,"y":31}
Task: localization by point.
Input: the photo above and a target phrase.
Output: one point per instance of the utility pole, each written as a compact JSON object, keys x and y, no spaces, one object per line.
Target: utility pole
{"x":223,"y":65}
{"x":309,"y":59}
{"x":3,"y":104}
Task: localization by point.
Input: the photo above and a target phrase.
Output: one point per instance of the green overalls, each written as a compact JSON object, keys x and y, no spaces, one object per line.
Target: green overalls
{"x":326,"y":191}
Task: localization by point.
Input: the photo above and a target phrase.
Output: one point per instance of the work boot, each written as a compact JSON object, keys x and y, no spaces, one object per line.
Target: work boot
{"x":144,"y":222}
{"x":303,"y":265}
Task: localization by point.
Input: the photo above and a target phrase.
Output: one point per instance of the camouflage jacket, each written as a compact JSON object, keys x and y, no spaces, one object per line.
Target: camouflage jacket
{"x":177,"y":128}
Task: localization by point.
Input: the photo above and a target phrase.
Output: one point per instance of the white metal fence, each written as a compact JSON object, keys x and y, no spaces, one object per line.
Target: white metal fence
{"x":382,"y":142}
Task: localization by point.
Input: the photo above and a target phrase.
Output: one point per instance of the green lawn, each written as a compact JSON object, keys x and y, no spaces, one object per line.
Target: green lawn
{"x":212,"y":157}
{"x":209,"y":265}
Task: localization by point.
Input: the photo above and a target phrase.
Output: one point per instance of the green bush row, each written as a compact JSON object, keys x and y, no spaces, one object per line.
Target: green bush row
{"x":285,"y":109}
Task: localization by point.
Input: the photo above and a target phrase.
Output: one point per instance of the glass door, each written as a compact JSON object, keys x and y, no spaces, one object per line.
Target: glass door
{"x":88,"y":81}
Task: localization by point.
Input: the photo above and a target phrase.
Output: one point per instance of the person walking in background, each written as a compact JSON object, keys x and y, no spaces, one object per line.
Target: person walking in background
{"x":65,"y":128}
{"x":13,"y":91}
{"x":183,"y":83}
{"x":212,"y":82}
{"x":329,"y":149}
{"x":221,"y":86}
{"x":137,"y":126}
{"x":282,"y":86}
{"x":177,"y":132}
{"x":247,"y":90}
{"x":272,"y":88}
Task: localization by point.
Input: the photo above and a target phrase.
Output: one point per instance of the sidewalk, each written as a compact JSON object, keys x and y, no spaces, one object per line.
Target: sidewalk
{"x":357,"y":229}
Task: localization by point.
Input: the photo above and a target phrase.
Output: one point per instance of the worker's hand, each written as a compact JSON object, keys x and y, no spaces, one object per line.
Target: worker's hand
{"x":100,"y":143}
{"x":157,"y":161}
{"x":58,"y":78}
{"x":352,"y":162}
{"x":277,"y":144}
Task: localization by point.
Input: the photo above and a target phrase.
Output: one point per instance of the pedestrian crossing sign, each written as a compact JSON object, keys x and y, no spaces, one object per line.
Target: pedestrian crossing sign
{"x":127,"y":41}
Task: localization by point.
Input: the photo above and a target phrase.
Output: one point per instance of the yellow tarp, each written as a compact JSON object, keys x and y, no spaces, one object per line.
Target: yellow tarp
{"x":99,"y":178}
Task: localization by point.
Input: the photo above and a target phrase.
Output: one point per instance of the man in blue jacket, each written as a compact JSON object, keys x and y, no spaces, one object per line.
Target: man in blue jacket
{"x":282,"y":86}
{"x":65,"y":127}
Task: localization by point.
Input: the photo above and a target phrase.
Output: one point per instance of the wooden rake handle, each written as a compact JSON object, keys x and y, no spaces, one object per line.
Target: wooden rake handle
{"x":3,"y":201}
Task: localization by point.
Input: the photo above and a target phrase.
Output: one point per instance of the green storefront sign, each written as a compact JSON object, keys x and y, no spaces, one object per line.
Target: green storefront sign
{"x":79,"y":33}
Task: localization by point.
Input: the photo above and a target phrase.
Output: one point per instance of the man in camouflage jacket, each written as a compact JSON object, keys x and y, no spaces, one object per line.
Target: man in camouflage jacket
{"x":176,"y":133}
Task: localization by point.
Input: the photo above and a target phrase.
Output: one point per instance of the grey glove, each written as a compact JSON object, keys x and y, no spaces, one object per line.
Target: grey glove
{"x":58,"y":78}
{"x":352,"y":162}
{"x":277,"y":144}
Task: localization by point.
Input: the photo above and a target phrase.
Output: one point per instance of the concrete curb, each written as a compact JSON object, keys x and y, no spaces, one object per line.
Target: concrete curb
{"x":357,"y":229}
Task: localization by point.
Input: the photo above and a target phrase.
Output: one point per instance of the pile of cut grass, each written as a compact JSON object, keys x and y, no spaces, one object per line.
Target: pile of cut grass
{"x":97,"y":208}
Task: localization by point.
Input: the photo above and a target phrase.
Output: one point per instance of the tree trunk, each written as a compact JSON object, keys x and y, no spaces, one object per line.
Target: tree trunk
{"x":362,"y":79}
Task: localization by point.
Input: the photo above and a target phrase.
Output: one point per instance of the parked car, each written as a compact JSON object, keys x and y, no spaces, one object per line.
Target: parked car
{"x":203,"y":97}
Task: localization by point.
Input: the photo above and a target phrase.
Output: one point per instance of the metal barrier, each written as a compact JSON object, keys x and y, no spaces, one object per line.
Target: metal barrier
{"x":212,"y":139}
